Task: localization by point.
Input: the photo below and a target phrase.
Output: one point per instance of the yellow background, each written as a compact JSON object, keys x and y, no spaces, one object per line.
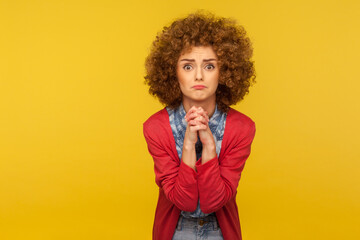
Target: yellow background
{"x":75,"y":165}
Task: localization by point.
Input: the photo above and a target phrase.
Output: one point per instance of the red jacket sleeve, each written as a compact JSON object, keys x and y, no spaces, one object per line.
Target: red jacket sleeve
{"x":178,"y":180}
{"x":218,"y":182}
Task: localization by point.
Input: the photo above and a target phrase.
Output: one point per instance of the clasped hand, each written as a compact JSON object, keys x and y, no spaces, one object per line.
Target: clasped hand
{"x":198,"y":125}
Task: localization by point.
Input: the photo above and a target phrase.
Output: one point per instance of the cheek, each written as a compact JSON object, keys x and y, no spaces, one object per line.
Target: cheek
{"x":181,"y":84}
{"x":180,"y":77}
{"x":216,"y":80}
{"x":217,"y":74}
{"x":182,"y":90}
{"x":183,"y":79}
{"x":215,"y":87}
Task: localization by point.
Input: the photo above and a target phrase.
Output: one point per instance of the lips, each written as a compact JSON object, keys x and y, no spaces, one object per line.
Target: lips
{"x":199,"y":87}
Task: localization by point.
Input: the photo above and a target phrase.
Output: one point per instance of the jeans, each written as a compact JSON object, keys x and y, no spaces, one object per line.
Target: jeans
{"x":198,"y":229}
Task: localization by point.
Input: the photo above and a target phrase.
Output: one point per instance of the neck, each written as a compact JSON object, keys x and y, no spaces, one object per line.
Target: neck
{"x":208,"y":106}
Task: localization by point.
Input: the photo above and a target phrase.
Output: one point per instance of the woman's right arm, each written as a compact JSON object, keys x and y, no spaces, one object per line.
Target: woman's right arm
{"x":179,"y":181}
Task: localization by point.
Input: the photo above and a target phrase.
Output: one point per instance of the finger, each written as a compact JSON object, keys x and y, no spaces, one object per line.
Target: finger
{"x":192,"y":116}
{"x":199,"y":110}
{"x":194,"y":111}
{"x":193,"y":123}
{"x":197,"y":127}
{"x":202,"y":112}
{"x":191,"y":110}
{"x":198,"y":122}
{"x":200,"y":119}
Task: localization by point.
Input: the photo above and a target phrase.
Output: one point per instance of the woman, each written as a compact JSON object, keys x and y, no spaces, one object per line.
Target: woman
{"x":197,"y":68}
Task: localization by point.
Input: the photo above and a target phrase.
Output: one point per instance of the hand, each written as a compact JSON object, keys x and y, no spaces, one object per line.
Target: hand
{"x":195,"y":122}
{"x":198,"y":120}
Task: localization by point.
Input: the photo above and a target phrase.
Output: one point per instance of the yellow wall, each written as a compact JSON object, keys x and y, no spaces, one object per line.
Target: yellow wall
{"x":73,"y":160}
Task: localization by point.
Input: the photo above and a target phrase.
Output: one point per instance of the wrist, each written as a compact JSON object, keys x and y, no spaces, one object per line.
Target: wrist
{"x":209,"y":145}
{"x":188,"y":146}
{"x":209,"y":148}
{"x":208,"y":153}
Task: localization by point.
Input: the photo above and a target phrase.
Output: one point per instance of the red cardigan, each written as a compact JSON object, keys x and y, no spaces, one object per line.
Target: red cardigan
{"x":215,"y":182}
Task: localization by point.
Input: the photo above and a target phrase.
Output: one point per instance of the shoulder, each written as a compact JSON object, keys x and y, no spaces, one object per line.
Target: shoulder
{"x":157,"y":132}
{"x":239,"y":124}
{"x":239,"y":119}
{"x":157,"y":121}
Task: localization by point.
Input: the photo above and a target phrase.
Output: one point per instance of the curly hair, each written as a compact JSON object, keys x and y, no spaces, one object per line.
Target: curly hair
{"x":228,"y":40}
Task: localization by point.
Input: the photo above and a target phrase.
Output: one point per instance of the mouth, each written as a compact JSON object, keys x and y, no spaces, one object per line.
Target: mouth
{"x":199,"y":87}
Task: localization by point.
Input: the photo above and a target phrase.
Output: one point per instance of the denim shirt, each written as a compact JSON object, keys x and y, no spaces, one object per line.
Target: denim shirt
{"x":178,"y":126}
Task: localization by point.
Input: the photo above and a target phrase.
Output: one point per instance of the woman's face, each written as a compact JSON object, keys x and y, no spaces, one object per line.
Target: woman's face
{"x":198,"y":74}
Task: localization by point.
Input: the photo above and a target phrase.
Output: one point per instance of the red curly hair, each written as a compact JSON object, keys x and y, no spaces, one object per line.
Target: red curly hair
{"x":228,"y":40}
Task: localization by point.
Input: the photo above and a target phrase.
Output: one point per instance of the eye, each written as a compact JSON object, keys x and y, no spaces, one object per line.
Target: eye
{"x":209,"y":66}
{"x":187,"y":67}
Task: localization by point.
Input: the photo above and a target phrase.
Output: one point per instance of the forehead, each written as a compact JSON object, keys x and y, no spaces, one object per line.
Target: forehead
{"x":199,"y":51}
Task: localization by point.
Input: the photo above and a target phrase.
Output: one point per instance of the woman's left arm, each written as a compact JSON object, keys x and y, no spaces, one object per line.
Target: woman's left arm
{"x":218,"y":183}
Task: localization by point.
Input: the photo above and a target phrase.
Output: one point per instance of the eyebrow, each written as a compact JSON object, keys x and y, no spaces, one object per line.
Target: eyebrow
{"x":193,"y":60}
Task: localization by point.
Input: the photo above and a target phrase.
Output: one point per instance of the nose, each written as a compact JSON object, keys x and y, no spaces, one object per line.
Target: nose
{"x":199,"y":73}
